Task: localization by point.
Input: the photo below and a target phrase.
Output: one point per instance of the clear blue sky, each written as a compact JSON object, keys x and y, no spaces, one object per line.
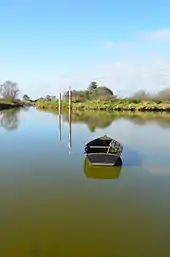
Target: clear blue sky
{"x":46,"y":44}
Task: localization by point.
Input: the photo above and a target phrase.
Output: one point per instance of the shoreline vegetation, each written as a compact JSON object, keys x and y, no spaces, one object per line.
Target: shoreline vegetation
{"x":6,"y":105}
{"x":115,"y":105}
{"x":94,"y":98}
{"x":97,"y":98}
{"x":9,"y":97}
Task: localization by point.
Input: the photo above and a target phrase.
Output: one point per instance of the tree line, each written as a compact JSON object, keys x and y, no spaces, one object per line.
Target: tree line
{"x":163,"y":95}
{"x":10,"y":91}
{"x":94,"y":92}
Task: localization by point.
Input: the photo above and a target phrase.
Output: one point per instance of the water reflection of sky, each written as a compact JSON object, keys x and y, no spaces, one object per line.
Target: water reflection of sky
{"x":146,"y":146}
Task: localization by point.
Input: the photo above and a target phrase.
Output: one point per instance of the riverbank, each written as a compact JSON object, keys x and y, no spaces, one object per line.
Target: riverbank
{"x":9,"y":105}
{"x":115,"y":105}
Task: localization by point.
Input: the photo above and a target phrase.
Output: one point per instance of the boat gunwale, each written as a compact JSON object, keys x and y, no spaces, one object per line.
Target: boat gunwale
{"x":115,"y":154}
{"x":111,"y":144}
{"x":102,"y":164}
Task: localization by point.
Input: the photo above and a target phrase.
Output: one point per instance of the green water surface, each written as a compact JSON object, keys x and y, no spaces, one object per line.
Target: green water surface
{"x":53,"y":204}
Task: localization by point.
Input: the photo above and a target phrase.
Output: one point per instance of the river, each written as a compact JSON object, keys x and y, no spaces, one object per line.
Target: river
{"x":54,"y":205}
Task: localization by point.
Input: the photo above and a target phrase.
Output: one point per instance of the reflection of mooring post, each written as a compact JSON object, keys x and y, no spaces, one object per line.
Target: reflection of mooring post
{"x":59,"y":117}
{"x":69,"y":133}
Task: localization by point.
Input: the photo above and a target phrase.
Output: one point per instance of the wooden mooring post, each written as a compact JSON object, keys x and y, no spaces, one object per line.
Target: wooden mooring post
{"x":59,"y":104}
{"x":59,"y":117}
{"x":69,"y":132}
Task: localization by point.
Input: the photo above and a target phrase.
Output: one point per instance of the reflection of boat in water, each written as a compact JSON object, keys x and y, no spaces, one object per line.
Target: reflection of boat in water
{"x":102,"y":172}
{"x":103,"y":151}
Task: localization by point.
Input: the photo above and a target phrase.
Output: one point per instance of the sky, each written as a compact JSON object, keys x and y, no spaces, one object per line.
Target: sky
{"x":47,"y":45}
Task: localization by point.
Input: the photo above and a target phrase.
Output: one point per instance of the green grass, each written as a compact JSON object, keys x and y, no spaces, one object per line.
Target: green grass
{"x":118,"y":104}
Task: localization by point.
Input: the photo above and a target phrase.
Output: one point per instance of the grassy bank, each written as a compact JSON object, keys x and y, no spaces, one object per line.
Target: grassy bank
{"x":5,"y":105}
{"x":112,"y":105}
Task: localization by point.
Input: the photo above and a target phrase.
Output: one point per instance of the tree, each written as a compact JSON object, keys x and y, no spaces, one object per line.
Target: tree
{"x":26,"y":98}
{"x":9,"y":90}
{"x":102,"y":93}
{"x":53,"y":97}
{"x":76,"y":95}
{"x":50,"y":98}
{"x":92,"y":86}
{"x":163,"y":95}
{"x":39,"y":99}
{"x":93,"y":92}
{"x":142,"y":95}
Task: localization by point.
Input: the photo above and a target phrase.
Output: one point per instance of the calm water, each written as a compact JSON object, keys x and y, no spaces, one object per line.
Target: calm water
{"x":54,"y":205}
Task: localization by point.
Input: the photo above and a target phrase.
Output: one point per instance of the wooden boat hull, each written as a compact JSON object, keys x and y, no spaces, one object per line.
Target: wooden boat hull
{"x":102,"y":159}
{"x":103,"y":151}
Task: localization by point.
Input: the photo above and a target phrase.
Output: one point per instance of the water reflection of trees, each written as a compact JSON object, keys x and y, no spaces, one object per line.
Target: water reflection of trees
{"x":102,"y":119}
{"x":92,"y":119}
{"x":161,"y":119}
{"x":9,"y":119}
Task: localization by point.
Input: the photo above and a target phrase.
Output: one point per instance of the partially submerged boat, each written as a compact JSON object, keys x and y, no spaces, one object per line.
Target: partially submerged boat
{"x":103,"y":151}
